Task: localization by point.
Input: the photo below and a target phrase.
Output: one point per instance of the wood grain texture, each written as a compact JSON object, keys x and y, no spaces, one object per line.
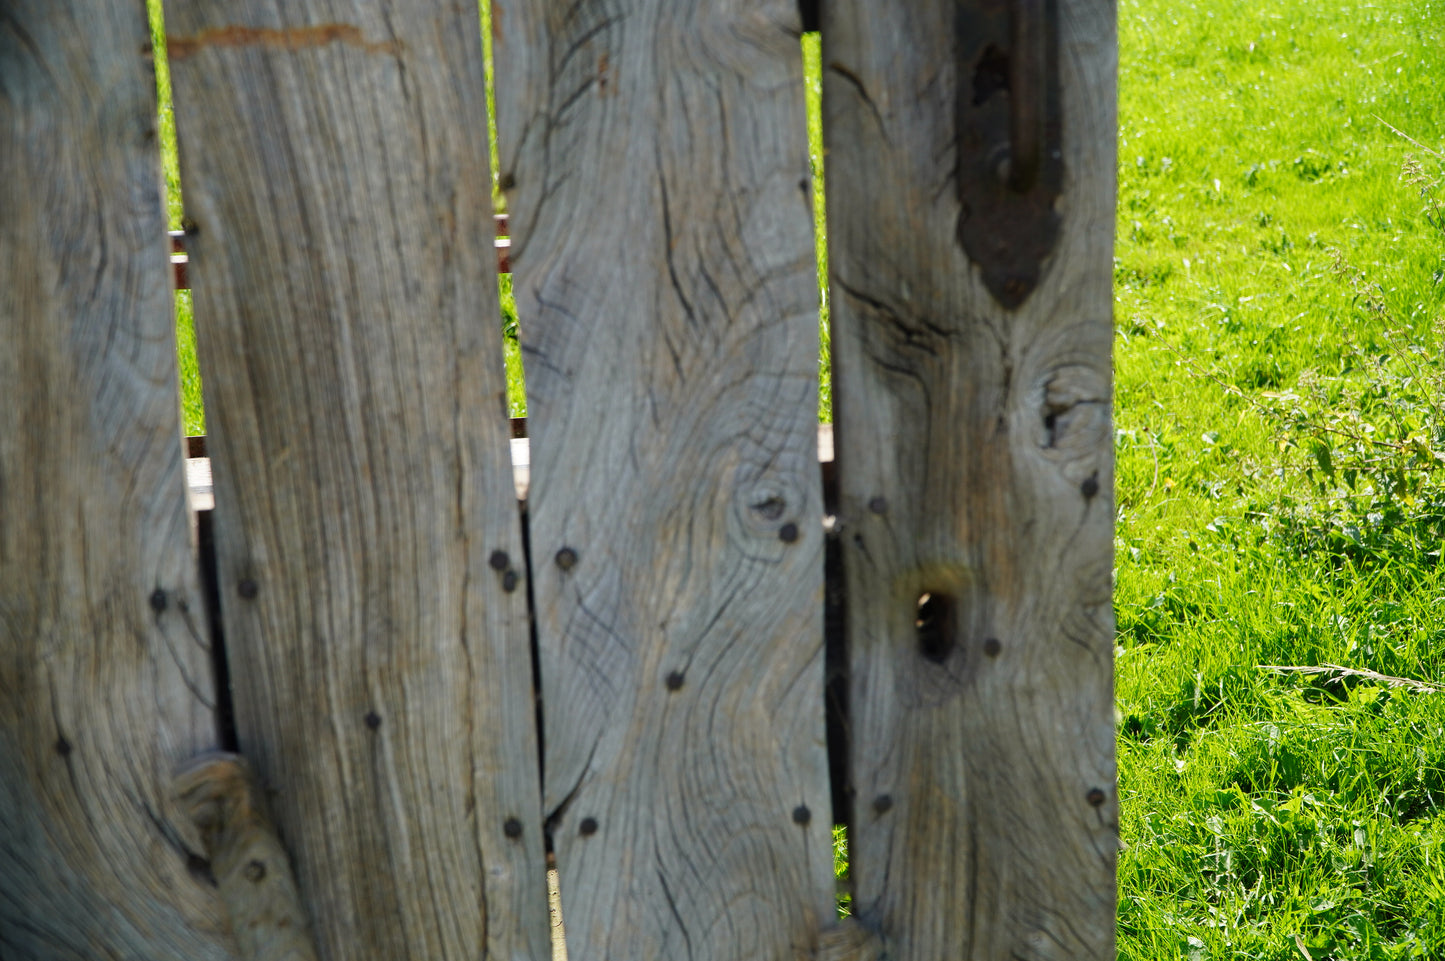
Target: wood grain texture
{"x":220,"y":794}
{"x":358,"y":436}
{"x":105,"y":674}
{"x":974,"y":464}
{"x":675,"y":504}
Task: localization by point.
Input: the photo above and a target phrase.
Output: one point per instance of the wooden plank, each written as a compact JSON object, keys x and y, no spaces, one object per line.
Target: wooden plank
{"x":675,"y":508}
{"x":974,"y":466}
{"x":105,"y":672}
{"x":367,"y":535}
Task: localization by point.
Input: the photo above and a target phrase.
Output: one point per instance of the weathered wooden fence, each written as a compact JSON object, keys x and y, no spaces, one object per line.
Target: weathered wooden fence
{"x":438,"y":688}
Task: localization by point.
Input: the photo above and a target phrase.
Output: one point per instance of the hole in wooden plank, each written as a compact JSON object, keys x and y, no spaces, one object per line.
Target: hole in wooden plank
{"x":934,"y":622}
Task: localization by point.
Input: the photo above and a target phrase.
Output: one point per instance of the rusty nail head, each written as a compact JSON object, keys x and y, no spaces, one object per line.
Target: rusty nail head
{"x":373,"y":720}
{"x":878,"y":505}
{"x":509,"y":581}
{"x":991,"y":647}
{"x":1096,"y":797}
{"x":158,"y":600}
{"x":499,"y":560}
{"x":587,"y":827}
{"x":255,"y":871}
{"x":788,"y":532}
{"x":566,"y":558}
{"x":882,"y":803}
{"x":512,"y":828}
{"x":801,"y":814}
{"x":247,"y":588}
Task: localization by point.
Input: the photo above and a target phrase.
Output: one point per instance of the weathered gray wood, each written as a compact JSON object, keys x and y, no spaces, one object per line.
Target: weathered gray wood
{"x":105,"y":676}
{"x":358,"y":434}
{"x":675,"y":505}
{"x":974,"y":464}
{"x":220,"y":794}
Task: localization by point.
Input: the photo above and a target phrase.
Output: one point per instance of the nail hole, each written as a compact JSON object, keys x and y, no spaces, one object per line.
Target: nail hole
{"x":801,"y":814}
{"x":1090,"y":486}
{"x":255,"y":871}
{"x":788,"y":533}
{"x":247,"y":588}
{"x":499,"y":560}
{"x":158,"y":600}
{"x":933,"y":621}
{"x":1096,"y":797}
{"x":512,"y":828}
{"x":588,"y":827}
{"x":992,"y":647}
{"x":674,"y":681}
{"x":373,"y":720}
{"x":878,"y":505}
{"x":882,"y":803}
{"x":566,"y":558}
{"x":62,"y":747}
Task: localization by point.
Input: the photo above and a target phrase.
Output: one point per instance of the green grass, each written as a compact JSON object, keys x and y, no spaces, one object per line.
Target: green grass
{"x":1280,"y":436}
{"x":1276,"y":288}
{"x":193,"y":418}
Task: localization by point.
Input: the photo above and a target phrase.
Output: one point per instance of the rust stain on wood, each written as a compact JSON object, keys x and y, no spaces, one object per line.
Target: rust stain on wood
{"x":297,"y":38}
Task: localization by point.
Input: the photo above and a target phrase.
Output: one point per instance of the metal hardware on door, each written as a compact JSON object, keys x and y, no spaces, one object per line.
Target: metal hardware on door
{"x":1008,"y":133}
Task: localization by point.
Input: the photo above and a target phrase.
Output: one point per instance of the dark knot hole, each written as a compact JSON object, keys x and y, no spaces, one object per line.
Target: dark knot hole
{"x":934,"y":623}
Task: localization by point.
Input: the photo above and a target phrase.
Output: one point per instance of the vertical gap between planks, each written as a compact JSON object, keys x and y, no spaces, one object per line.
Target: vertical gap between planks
{"x":188,"y":379}
{"x":813,"y":100}
{"x":193,"y":415}
{"x":554,"y":888}
{"x":514,"y":376}
{"x":835,"y":658}
{"x":511,"y":351}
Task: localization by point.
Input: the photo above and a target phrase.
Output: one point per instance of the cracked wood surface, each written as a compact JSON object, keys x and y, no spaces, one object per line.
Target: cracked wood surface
{"x":974,"y":464}
{"x":105,"y":675}
{"x":368,"y":541}
{"x":675,"y":503}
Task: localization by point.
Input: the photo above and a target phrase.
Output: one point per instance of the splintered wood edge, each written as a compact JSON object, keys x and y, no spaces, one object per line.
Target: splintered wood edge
{"x":219,"y":793}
